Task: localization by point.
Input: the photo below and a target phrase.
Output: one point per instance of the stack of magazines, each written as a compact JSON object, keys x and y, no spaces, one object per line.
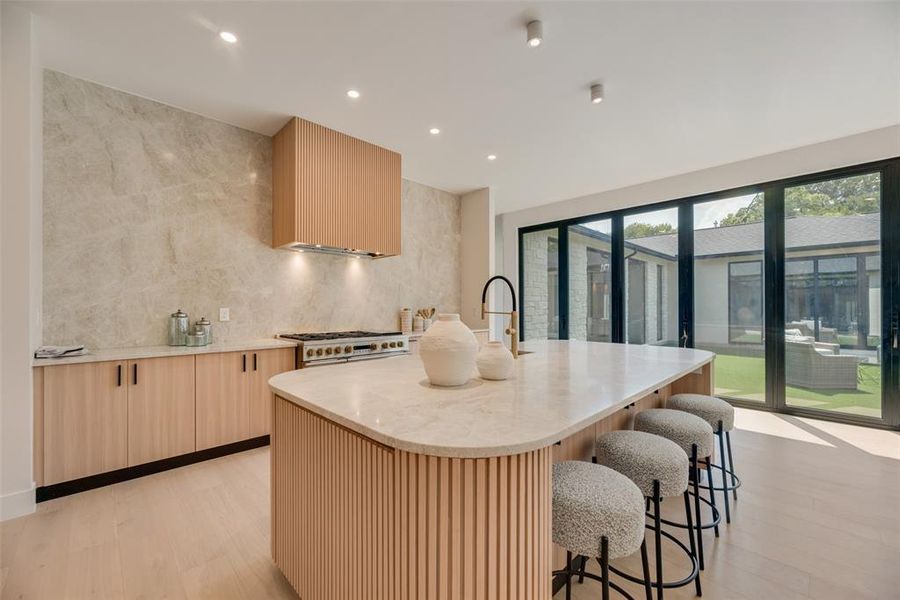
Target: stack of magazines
{"x":59,"y":351}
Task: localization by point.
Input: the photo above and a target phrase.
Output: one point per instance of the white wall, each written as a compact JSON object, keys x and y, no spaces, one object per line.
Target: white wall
{"x":20,"y":259}
{"x":711,"y":307}
{"x":851,"y":150}
{"x":476,"y":254}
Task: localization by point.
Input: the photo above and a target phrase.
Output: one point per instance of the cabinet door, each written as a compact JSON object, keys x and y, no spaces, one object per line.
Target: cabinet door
{"x":85,"y":420}
{"x":223,"y":410}
{"x":266,"y":364}
{"x":160,"y":408}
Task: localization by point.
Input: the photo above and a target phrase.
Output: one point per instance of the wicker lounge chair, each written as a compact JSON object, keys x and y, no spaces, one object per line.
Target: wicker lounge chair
{"x":818,"y":366}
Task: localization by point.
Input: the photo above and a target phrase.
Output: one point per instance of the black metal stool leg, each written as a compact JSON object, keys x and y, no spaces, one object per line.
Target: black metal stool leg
{"x":645,"y":563}
{"x":712,"y":492}
{"x":695,"y":475}
{"x":690,"y":531}
{"x":657,"y":532}
{"x":721,"y":436}
{"x":568,"y":576}
{"x":604,"y":566}
{"x":731,"y":465}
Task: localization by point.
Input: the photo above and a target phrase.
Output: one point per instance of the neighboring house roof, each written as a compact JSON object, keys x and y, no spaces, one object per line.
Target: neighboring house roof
{"x":799,"y":232}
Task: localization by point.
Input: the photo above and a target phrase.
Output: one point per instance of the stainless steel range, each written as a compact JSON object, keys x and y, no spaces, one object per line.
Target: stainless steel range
{"x":344,"y":346}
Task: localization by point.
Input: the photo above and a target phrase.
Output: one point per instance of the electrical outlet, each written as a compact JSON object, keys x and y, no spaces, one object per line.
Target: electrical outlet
{"x":224,"y":314}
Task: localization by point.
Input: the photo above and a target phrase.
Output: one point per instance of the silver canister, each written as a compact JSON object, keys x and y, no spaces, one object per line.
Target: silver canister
{"x":178,"y":328}
{"x":206,"y":326}
{"x":196,"y":337}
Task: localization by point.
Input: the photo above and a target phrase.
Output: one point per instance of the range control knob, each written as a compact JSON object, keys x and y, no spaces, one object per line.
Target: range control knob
{"x":400,"y":344}
{"x":309,"y":352}
{"x":348,"y":349}
{"x":384,"y":345}
{"x":337,"y":350}
{"x":328,"y":351}
{"x":373,"y":347}
{"x":318,"y":352}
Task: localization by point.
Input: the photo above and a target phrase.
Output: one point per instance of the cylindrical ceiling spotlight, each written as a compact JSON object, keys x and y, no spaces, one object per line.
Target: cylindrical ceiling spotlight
{"x":535,"y":33}
{"x":597,"y":93}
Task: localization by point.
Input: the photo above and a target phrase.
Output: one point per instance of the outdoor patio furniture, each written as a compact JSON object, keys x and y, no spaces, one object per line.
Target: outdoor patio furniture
{"x":819,"y":366}
{"x":807,"y":327}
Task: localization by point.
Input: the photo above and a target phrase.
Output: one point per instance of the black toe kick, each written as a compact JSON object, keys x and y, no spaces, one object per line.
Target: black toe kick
{"x":66,"y":488}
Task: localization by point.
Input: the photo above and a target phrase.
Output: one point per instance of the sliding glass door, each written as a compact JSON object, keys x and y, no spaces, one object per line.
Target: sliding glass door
{"x":590,"y":281}
{"x":540,"y":284}
{"x":729,"y":292}
{"x":794,"y":284}
{"x":833,"y":296}
{"x":651,"y":277}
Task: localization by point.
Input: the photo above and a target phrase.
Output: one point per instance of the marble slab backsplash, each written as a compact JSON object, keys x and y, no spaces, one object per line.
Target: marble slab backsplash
{"x":148,"y":208}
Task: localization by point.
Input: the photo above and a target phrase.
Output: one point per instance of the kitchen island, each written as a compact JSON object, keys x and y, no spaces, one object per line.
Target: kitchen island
{"x":384,"y":486}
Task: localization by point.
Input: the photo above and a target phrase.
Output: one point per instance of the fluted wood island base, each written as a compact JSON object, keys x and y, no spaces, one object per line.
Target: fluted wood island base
{"x":364,"y":506}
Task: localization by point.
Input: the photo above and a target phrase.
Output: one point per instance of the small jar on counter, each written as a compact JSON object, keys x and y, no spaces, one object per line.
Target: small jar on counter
{"x":206,"y":326}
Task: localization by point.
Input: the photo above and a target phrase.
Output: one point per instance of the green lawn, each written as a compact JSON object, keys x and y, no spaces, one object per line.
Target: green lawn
{"x":744,"y":377}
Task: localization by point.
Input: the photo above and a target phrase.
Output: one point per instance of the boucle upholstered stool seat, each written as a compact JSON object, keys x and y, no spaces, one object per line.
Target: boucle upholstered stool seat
{"x":720,"y":416}
{"x":597,"y":513}
{"x":695,"y":437}
{"x":645,"y":459}
{"x":659,"y":467}
{"x":709,"y":408}
{"x":684,"y":429}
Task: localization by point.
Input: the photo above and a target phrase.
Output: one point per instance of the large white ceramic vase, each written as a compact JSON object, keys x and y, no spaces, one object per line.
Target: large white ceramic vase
{"x":448,"y":351}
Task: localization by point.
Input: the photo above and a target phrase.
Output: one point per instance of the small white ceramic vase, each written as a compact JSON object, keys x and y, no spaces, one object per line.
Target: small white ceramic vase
{"x":494,"y":361}
{"x":448,"y":351}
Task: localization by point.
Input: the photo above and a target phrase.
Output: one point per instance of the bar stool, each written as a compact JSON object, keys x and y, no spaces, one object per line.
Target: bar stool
{"x":695,"y":437}
{"x":597,"y":513}
{"x":659,"y":467}
{"x":720,"y":415}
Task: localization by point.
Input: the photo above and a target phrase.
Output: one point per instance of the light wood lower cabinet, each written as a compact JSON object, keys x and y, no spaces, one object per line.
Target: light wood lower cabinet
{"x":234,"y":401}
{"x":223,"y":399}
{"x":85,"y":420}
{"x":96,"y":417}
{"x":266,"y":364}
{"x":160,"y":408}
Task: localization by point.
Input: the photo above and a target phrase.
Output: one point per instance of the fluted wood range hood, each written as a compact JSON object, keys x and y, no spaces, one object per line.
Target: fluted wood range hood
{"x":334,"y":193}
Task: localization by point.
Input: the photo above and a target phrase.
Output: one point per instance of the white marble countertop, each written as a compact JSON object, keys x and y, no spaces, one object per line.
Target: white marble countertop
{"x":415,"y":335}
{"x":160,"y":351}
{"x":561,"y":388}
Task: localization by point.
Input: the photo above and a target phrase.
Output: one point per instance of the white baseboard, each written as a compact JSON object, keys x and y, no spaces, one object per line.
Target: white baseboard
{"x":17,"y":504}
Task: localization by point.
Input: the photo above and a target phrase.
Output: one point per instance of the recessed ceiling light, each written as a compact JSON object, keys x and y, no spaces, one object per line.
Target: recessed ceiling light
{"x":352,"y":94}
{"x":597,"y":93}
{"x":535,"y":31}
{"x":228,"y":37}
{"x":492,"y":157}
{"x":434,"y":131}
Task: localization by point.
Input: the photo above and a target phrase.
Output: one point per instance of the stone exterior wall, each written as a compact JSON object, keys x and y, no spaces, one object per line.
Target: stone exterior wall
{"x":534,"y":295}
{"x":535,"y":292}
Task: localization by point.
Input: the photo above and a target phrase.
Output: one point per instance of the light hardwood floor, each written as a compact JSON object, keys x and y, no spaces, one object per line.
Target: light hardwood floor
{"x":818,"y":517}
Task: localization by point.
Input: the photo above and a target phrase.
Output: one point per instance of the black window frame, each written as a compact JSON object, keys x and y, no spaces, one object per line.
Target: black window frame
{"x":773,"y":279}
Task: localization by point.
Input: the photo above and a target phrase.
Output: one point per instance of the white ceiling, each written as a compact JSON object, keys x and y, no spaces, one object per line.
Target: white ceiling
{"x":688,"y":86}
